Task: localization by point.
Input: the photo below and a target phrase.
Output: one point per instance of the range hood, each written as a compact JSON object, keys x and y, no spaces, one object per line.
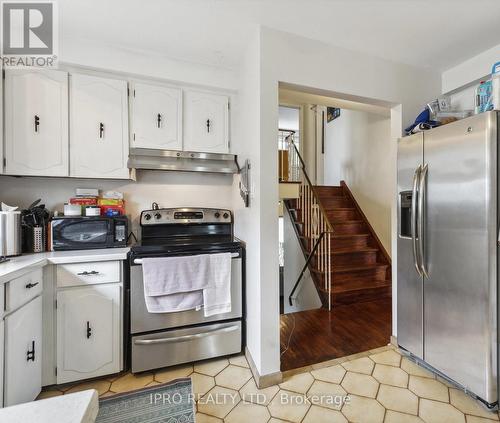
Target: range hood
{"x":147,"y":158}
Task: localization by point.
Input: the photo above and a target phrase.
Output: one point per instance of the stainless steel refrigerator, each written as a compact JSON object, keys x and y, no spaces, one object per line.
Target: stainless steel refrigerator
{"x":447,"y":256}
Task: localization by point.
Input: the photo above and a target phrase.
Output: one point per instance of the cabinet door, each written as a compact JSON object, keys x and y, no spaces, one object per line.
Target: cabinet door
{"x":36,"y":123}
{"x":156,"y":117}
{"x":23,"y":353}
{"x":1,"y":158}
{"x":206,"y":122}
{"x":99,"y":127}
{"x":88,"y":332}
{"x":2,"y":331}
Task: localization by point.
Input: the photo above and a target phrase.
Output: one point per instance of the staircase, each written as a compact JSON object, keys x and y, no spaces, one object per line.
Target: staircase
{"x":357,"y":268}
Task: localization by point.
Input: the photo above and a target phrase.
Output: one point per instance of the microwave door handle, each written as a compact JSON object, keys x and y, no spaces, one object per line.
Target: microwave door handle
{"x":414,"y":218}
{"x":422,"y":194}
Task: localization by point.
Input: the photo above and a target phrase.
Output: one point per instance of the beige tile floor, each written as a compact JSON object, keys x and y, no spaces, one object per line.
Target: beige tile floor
{"x":376,"y":386}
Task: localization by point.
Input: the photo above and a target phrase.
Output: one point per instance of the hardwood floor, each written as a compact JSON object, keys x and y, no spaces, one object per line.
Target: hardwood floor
{"x":322,"y":335}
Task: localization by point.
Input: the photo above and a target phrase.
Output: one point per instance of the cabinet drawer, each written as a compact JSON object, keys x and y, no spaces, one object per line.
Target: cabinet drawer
{"x":163,"y":349}
{"x":91,"y":273}
{"x":22,"y":289}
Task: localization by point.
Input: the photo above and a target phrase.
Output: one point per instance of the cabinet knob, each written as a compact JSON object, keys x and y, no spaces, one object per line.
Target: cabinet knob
{"x":89,"y":330}
{"x":159,"y":119}
{"x":30,"y":355}
{"x":209,"y":124}
{"x":31,"y":285}
{"x":37,"y":122}
{"x":101,"y":130}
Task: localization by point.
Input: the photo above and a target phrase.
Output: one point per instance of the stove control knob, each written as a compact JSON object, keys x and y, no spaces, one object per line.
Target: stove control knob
{"x":157,"y":216}
{"x":225,"y":215}
{"x":217,"y":215}
{"x":147,"y":216}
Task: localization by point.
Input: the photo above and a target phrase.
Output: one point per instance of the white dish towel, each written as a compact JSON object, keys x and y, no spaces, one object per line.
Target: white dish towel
{"x":182,"y":283}
{"x":217,"y":296}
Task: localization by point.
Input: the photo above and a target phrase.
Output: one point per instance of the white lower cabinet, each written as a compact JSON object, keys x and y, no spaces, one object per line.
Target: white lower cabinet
{"x":23,"y":353}
{"x":88,"y":332}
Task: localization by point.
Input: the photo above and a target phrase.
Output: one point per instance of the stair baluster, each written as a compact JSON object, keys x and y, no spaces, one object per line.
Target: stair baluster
{"x":316,"y":228}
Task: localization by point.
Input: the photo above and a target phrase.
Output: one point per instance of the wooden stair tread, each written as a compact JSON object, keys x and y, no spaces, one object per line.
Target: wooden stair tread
{"x":360,"y":250}
{"x":348,"y":269}
{"x":346,"y":222}
{"x":342,"y":236}
{"x":360,"y":285}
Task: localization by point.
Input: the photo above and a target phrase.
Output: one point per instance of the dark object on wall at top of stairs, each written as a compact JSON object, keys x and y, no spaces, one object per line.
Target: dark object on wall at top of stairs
{"x":361,"y":268}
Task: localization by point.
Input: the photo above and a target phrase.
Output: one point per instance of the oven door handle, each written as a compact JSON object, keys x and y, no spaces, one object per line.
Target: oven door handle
{"x":185,"y":338}
{"x":233,"y":255}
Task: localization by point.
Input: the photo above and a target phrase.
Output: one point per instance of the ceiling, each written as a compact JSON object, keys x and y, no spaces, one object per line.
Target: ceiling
{"x":430,"y":33}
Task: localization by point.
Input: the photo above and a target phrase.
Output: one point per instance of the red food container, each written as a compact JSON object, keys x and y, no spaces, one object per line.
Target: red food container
{"x":90,"y":201}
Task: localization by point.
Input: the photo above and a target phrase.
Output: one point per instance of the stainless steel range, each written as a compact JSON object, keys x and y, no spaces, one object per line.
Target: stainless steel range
{"x":166,"y":339}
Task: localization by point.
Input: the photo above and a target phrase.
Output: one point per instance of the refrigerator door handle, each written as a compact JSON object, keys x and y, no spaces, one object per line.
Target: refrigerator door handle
{"x":414,"y":218}
{"x":422,"y":194}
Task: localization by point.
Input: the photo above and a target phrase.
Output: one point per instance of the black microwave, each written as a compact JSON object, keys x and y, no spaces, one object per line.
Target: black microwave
{"x":86,"y":233}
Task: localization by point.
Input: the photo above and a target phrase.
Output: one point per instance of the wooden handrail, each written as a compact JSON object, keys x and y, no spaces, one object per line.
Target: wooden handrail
{"x":312,"y":187}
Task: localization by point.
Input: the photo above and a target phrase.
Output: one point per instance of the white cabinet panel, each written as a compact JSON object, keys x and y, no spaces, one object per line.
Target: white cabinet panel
{"x":206,"y":122}
{"x":156,"y":117}
{"x":22,"y":289}
{"x":88,"y":332}
{"x":88,"y":273}
{"x":99,"y":127}
{"x":23,"y":353}
{"x":1,"y":360}
{"x":1,"y":155}
{"x":36,"y":122}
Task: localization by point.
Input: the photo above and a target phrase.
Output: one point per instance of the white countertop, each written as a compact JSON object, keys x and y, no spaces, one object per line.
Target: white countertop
{"x":16,"y":266}
{"x":80,"y":407}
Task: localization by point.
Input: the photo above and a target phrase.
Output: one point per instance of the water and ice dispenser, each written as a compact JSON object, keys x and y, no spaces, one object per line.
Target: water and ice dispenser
{"x":405,"y":198}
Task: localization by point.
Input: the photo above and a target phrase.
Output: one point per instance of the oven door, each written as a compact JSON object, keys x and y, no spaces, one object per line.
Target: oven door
{"x":80,"y":234}
{"x":142,"y":321}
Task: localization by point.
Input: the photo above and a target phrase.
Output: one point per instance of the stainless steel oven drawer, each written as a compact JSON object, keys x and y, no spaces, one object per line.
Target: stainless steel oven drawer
{"x":142,"y":321}
{"x":173,"y":347}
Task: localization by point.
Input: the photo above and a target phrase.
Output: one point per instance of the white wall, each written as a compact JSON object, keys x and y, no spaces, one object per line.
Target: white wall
{"x":247,"y":220}
{"x":358,"y":150}
{"x":339,"y":73}
{"x":168,"y":189}
{"x":306,"y":296}
{"x":471,"y":70}
{"x":461,"y":80}
{"x":144,"y":63}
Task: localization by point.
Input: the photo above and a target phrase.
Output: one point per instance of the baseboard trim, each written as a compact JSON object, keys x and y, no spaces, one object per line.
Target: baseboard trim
{"x":394,"y":341}
{"x":263,"y":381}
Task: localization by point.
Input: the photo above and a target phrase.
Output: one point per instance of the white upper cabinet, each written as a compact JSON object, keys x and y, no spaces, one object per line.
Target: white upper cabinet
{"x":36,"y":122}
{"x":98,"y":127}
{"x":88,"y":332}
{"x":206,"y":119}
{"x":156,"y":117}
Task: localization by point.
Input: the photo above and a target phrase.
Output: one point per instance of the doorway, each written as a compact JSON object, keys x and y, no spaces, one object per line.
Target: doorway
{"x":336,"y":295}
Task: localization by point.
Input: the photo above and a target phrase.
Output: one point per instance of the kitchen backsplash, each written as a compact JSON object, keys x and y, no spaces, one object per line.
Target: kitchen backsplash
{"x":168,"y":189}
